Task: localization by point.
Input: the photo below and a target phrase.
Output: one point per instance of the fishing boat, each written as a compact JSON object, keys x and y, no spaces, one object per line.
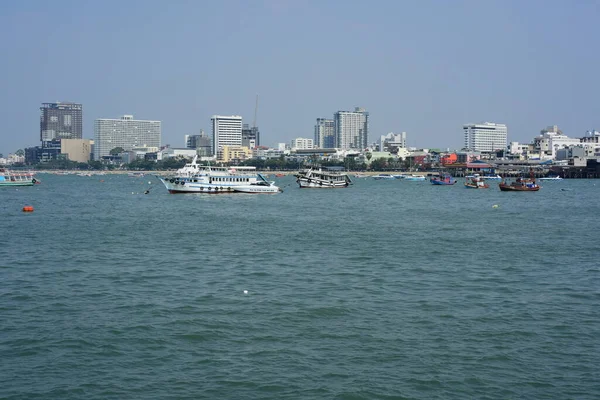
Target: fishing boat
{"x":17,"y":178}
{"x":322,"y":178}
{"x":443,"y":179}
{"x":206,"y":179}
{"x":520,"y":184}
{"x":476,"y":182}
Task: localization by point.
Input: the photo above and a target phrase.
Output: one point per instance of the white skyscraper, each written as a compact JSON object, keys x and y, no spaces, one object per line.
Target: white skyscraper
{"x":226,"y":131}
{"x":324,"y":133}
{"x":126,"y":133}
{"x":352,"y":129}
{"x":485,"y":137}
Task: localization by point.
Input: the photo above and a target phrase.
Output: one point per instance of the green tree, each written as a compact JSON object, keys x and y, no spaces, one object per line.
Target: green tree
{"x":20,"y":153}
{"x":116,"y":150}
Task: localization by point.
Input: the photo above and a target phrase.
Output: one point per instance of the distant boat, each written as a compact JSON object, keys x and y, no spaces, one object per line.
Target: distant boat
{"x":476,"y":182}
{"x":443,"y":179}
{"x":520,"y":185}
{"x":486,"y":177}
{"x":196,"y":178}
{"x":384,"y":176}
{"x":414,"y":178}
{"x":13,"y":178}
{"x":551,"y":178}
{"x":322,"y":178}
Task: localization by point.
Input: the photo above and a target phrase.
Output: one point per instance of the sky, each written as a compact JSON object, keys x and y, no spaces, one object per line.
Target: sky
{"x":421,"y":67}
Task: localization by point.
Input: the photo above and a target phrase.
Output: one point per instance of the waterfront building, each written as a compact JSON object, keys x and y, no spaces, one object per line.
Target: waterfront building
{"x":126,"y":132}
{"x":324,"y":133}
{"x":392,"y":142}
{"x":226,"y":131}
{"x":60,"y":121}
{"x":351,"y":129}
{"x":301,"y":144}
{"x":79,"y":150}
{"x":485,"y":137}
{"x":234,"y":153}
{"x":250,"y":136}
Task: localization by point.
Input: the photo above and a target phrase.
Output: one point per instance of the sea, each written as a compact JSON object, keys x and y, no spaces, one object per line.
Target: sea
{"x":383,"y":290}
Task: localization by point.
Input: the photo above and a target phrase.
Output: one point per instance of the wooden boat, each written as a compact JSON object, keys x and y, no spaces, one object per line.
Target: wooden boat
{"x":443,"y":179}
{"x":476,"y":182}
{"x":520,"y":185}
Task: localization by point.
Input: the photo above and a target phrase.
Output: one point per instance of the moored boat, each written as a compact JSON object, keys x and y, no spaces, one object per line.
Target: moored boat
{"x":17,"y":178}
{"x":414,"y":178}
{"x":322,"y":178}
{"x":443,"y":179}
{"x":520,"y":185}
{"x":476,"y":182}
{"x":206,"y":179}
{"x":551,"y":178}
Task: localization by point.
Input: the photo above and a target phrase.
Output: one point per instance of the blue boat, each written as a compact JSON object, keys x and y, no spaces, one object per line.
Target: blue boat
{"x":444,"y":179}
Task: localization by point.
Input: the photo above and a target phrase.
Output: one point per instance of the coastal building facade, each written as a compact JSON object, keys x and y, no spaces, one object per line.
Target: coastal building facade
{"x":301,"y":144}
{"x":351,"y":129}
{"x":392,"y":142}
{"x":126,"y":132}
{"x":226,"y":131}
{"x":485,"y":137}
{"x":79,"y":150}
{"x":324,"y":133}
{"x":61,"y":121}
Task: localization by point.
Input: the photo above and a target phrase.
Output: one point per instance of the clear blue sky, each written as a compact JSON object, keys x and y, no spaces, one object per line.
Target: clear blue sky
{"x":424,"y":67}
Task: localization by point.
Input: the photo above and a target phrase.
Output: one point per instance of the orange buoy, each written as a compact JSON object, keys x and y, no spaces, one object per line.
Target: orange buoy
{"x":27,"y":208}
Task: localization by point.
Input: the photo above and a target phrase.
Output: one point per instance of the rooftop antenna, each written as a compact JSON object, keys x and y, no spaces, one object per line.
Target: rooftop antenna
{"x":255,"y":111}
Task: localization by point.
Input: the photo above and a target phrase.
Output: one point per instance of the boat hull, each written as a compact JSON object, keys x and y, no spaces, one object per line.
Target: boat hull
{"x":204,"y":188}
{"x":320,"y":184}
{"x":510,"y":188}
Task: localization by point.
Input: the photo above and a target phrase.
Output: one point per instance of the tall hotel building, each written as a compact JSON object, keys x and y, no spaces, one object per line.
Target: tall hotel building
{"x":324,"y":133}
{"x":125,"y":132}
{"x":60,"y":121}
{"x":351,"y":129}
{"x":226,"y":131}
{"x":485,"y":137}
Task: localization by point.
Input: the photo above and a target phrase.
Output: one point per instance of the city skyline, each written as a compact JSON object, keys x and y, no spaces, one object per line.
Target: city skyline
{"x":416,"y":71}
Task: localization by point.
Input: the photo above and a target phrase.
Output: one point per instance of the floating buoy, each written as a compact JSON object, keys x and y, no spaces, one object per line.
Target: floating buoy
{"x":27,"y":208}
{"x":245,"y":292}
{"x":495,"y":206}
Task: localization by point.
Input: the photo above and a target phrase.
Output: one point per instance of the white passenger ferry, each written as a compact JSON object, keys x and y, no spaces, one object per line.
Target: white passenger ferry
{"x":195,"y":178}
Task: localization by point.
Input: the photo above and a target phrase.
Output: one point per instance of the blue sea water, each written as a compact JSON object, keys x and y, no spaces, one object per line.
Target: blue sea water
{"x":383,"y":290}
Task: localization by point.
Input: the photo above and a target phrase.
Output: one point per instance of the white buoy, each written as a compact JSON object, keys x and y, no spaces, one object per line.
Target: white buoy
{"x":245,"y":292}
{"x":495,"y":206}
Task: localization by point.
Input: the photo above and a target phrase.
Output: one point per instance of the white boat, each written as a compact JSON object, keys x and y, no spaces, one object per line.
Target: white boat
{"x":414,"y":178}
{"x":319,"y":178}
{"x":551,"y":178}
{"x":486,"y":177}
{"x":195,"y":178}
{"x":17,"y":178}
{"x":383,"y":176}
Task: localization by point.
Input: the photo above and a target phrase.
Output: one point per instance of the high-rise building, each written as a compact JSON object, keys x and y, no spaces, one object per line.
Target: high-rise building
{"x":126,"y":132}
{"x":325,"y":133}
{"x":226,"y":131}
{"x":250,"y":136}
{"x":60,"y":121}
{"x":201,"y":143}
{"x":351,"y":129}
{"x":485,"y":137}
